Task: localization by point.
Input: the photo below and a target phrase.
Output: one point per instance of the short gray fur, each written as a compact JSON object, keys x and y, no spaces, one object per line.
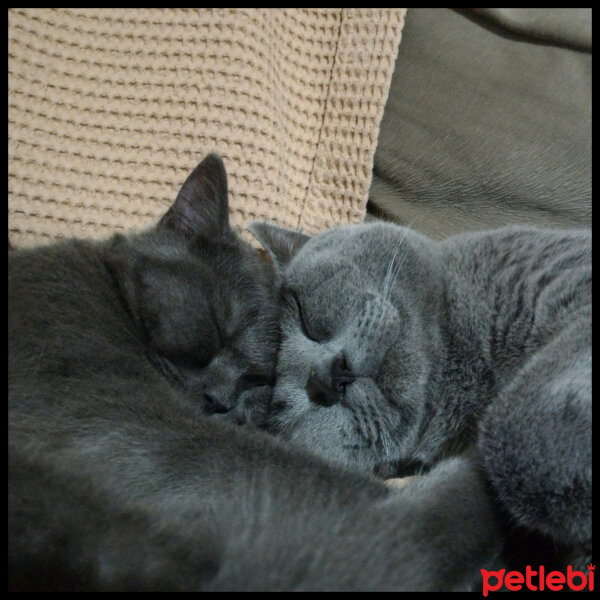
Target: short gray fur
{"x":126,"y":359}
{"x":481,"y":339}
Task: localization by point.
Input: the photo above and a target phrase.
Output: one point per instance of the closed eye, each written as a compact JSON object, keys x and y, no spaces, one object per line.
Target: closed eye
{"x":303,"y":322}
{"x":250,"y":380}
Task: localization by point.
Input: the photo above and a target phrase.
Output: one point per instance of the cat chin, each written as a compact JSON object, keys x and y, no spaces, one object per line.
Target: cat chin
{"x":356,"y":457}
{"x":307,"y":431}
{"x":331,"y":446}
{"x":327,"y":431}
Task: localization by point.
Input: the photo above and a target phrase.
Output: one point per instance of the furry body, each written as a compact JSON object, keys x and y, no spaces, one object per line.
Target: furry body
{"x":398,"y":351}
{"x":126,"y":360}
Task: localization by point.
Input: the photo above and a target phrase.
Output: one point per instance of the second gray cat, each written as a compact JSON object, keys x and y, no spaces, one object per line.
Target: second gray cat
{"x":398,"y":351}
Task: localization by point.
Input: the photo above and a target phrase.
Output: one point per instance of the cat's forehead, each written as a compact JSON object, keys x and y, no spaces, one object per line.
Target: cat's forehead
{"x":359,"y":252}
{"x":319,"y":263}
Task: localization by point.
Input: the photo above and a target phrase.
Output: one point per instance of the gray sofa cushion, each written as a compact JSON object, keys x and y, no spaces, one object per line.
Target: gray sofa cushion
{"x":482,"y":129}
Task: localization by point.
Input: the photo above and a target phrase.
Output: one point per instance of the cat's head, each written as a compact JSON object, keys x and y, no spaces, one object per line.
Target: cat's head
{"x":355,"y":348}
{"x":202,"y":298}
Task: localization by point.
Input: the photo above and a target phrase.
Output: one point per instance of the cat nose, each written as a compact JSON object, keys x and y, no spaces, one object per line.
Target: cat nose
{"x":341,"y":375}
{"x":327,"y":388}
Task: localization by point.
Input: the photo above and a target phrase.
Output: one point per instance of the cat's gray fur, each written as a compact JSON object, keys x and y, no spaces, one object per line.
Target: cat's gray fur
{"x":125,"y":358}
{"x":398,"y":351}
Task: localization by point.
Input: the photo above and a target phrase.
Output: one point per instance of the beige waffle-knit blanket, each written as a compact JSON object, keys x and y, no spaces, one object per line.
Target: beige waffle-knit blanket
{"x":109,"y":110}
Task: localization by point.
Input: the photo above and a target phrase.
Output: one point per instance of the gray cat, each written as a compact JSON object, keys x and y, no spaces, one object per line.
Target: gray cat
{"x":398,"y":351}
{"x":127,"y":357}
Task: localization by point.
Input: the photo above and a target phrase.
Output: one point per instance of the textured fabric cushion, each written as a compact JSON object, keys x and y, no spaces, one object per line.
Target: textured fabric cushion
{"x":110,"y":109}
{"x":481,"y":129}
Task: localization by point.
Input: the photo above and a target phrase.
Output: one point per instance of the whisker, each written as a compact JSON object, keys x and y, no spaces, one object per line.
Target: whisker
{"x":393,"y":273}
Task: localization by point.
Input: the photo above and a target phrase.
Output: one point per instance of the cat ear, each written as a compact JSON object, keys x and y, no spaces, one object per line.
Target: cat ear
{"x":281,"y":244}
{"x":201,"y":206}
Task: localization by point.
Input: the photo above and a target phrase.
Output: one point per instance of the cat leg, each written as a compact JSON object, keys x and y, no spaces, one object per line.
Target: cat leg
{"x":535,"y":439}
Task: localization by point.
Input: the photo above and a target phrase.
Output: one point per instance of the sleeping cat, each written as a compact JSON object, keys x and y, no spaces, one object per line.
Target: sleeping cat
{"x":398,"y":351}
{"x":126,"y":359}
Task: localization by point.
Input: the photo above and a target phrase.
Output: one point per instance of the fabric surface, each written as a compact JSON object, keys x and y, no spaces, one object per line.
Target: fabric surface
{"x":110,"y":109}
{"x":567,"y":27}
{"x":481,"y":130}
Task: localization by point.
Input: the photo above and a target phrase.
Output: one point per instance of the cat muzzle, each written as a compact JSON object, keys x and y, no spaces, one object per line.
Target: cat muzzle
{"x":329,"y":388}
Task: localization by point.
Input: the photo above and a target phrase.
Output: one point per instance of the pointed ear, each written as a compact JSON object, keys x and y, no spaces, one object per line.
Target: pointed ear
{"x":281,"y":244}
{"x":201,"y":207}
